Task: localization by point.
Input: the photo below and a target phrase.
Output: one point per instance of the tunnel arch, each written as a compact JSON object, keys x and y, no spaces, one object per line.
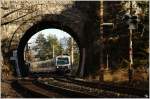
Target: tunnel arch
{"x":33,"y":30}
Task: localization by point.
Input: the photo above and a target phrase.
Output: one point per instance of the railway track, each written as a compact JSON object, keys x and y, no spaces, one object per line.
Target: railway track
{"x":66,"y":86}
{"x":29,"y":90}
{"x":64,"y":89}
{"x":35,"y":89}
{"x":84,"y":90}
{"x":107,"y":87}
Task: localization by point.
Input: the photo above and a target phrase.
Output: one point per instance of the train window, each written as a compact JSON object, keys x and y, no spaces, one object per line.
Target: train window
{"x":62,"y":61}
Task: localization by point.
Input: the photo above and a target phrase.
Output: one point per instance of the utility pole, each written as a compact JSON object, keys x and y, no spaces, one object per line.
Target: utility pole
{"x":130,"y":70}
{"x":101,"y":71}
{"x":53,"y":51}
{"x":107,"y":64}
{"x":72,"y":50}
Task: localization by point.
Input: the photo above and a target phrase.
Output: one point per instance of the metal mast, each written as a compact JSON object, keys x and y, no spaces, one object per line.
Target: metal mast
{"x":130,"y":71}
{"x":101,"y":41}
{"x":72,"y":51}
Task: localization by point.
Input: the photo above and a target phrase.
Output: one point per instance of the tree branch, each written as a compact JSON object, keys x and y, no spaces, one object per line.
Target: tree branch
{"x":7,"y":14}
{"x":5,"y":23}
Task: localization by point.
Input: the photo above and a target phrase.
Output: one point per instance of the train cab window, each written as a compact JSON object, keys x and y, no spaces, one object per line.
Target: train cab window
{"x":62,"y":61}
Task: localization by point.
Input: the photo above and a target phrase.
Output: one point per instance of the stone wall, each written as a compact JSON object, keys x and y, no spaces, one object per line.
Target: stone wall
{"x":81,"y":17}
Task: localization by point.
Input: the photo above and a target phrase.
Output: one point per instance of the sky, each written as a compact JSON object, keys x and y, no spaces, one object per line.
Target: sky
{"x":59,"y":34}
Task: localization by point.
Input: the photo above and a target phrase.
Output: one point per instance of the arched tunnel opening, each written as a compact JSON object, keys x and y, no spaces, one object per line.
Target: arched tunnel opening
{"x":26,"y":61}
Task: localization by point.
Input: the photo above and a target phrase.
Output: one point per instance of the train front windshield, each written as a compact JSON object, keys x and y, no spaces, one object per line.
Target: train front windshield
{"x":62,"y":61}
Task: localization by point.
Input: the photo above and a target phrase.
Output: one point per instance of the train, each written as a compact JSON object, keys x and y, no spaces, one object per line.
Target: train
{"x":59,"y":64}
{"x":63,"y":64}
